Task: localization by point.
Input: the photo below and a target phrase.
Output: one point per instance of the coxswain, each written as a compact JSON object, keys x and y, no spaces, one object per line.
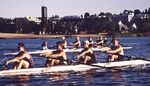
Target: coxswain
{"x":116,"y":51}
{"x":22,"y":59}
{"x":91,"y":42}
{"x":87,"y":55}
{"x":44,"y":45}
{"x":57,"y":57}
{"x":77,"y":43}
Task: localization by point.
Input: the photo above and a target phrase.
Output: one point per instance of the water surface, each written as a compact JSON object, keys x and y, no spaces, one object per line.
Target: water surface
{"x":141,"y":48}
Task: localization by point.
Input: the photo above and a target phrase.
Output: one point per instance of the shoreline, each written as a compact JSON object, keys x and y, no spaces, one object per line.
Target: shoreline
{"x":32,"y":36}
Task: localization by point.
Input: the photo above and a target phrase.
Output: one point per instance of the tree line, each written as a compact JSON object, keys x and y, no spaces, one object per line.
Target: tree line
{"x":87,"y":23}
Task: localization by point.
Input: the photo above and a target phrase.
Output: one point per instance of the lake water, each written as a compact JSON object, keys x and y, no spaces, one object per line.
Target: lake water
{"x":141,"y":48}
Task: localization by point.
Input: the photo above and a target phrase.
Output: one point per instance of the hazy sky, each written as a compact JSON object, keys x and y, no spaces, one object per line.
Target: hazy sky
{"x":22,"y":8}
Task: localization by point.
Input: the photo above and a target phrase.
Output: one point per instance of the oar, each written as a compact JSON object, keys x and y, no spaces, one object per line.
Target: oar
{"x":129,"y":57}
{"x":61,"y":59}
{"x":58,"y":59}
{"x":75,"y":60}
{"x":133,"y":57}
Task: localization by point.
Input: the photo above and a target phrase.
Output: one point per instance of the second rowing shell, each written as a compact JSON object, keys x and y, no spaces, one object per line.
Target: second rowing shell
{"x":65,"y":50}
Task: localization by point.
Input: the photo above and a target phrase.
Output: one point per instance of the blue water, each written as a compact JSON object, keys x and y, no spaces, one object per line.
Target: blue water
{"x":141,"y":48}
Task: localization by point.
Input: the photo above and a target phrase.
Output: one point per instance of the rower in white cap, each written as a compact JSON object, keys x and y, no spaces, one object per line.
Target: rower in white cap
{"x":87,"y":55}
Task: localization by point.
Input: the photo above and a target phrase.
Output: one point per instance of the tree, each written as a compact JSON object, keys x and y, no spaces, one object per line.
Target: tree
{"x":149,"y":11}
{"x":102,"y":14}
{"x":86,"y":15}
{"x":137,"y":12}
{"x":146,"y":12}
{"x":108,"y":14}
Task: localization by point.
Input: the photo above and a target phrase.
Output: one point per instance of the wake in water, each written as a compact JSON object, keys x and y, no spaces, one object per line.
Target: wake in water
{"x":139,"y":68}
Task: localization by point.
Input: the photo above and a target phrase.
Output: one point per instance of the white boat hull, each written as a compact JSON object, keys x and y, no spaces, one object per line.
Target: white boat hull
{"x":75,"y":68}
{"x":53,"y":69}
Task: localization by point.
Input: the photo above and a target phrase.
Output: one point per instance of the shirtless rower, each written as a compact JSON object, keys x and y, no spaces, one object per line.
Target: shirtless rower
{"x":57,"y":57}
{"x":99,"y":42}
{"x":44,"y":45}
{"x":91,"y":42}
{"x":87,"y":55}
{"x":77,"y":43}
{"x":115,"y":52}
{"x":22,"y":59}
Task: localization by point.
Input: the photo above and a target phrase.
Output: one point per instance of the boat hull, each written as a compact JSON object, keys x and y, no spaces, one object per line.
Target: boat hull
{"x":74,"y":68}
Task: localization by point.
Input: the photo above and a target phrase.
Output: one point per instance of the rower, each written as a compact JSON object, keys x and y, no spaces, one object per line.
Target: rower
{"x":99,"y":42}
{"x":91,"y":42}
{"x":77,"y":43}
{"x":64,"y":43}
{"x":87,"y":55}
{"x":116,"y":51}
{"x":22,"y":59}
{"x":57,"y":57}
{"x":44,"y":45}
{"x":105,"y":41}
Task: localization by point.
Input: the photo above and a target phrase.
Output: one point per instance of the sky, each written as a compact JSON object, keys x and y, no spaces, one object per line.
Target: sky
{"x":22,"y":8}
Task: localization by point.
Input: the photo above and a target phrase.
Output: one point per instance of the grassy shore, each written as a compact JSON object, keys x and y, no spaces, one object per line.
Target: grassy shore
{"x":14,"y":35}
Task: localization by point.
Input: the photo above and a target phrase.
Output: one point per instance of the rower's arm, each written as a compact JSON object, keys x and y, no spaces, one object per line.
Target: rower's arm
{"x":12,"y":60}
{"x":99,"y":42}
{"x":76,"y":43}
{"x":56,"y":55}
{"x":46,"y":54}
{"x":83,"y":53}
{"x":115,"y":51}
{"x":103,"y":49}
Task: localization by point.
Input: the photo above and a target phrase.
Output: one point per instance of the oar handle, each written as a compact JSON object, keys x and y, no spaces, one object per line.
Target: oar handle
{"x":133,"y":57}
{"x":129,"y":57}
{"x":60,"y":59}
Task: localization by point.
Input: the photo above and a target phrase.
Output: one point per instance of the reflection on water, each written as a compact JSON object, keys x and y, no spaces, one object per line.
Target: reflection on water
{"x":16,"y":80}
{"x":57,"y":76}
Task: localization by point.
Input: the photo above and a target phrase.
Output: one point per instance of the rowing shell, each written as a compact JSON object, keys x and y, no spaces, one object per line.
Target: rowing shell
{"x":74,"y":68}
{"x":65,"y":50}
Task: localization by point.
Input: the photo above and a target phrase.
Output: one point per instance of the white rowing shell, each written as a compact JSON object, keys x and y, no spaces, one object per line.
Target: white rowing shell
{"x":65,"y":50}
{"x":75,"y":68}
{"x":34,"y":71}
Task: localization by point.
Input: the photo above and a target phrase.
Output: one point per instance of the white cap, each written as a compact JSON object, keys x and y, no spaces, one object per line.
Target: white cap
{"x":63,"y":37}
